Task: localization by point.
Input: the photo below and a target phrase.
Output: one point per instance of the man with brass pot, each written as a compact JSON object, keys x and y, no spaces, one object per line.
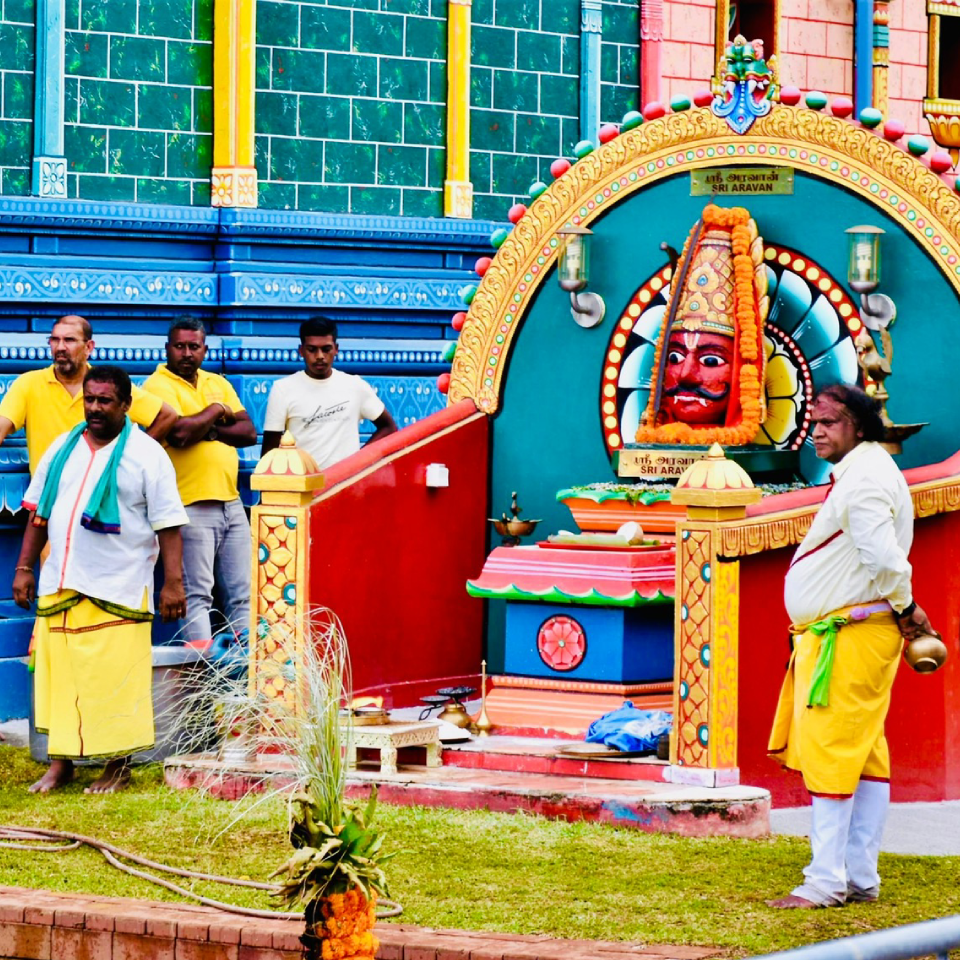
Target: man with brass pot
{"x":849,"y":596}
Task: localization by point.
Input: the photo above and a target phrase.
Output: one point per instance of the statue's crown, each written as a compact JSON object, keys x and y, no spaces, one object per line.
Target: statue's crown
{"x":706,"y":287}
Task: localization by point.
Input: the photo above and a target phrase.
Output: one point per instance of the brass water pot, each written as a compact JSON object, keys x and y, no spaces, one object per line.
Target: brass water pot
{"x":927,"y":653}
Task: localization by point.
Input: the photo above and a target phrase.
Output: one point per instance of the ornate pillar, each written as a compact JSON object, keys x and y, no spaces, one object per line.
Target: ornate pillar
{"x":457,"y":188}
{"x":942,"y":115}
{"x":863,"y":53}
{"x":703,"y":743}
{"x":591,"y":33}
{"x":233,"y":180}
{"x":651,"y":43}
{"x":49,"y":174}
{"x":286,"y":478}
{"x":881,"y":54}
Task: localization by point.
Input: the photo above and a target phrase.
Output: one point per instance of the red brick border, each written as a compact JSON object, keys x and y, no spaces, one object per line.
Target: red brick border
{"x":40,"y":925}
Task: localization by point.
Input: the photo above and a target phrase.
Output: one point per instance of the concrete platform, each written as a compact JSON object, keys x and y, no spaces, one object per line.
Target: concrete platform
{"x":735,"y":811}
{"x":540,"y":755}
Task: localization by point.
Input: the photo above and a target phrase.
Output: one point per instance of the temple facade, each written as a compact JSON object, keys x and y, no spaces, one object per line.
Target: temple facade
{"x":414,"y":168}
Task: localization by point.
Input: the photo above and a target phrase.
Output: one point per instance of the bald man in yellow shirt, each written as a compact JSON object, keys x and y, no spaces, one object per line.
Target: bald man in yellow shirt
{"x":49,"y":402}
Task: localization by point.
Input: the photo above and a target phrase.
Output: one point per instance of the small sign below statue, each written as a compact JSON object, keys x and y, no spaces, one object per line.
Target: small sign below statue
{"x":653,"y":463}
{"x":741,"y":181}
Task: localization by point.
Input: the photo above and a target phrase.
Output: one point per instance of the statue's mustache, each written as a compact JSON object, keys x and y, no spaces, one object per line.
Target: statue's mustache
{"x":698,"y":391}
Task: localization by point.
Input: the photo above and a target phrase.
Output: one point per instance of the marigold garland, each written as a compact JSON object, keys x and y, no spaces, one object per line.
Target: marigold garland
{"x":749,"y":326}
{"x":346,"y":930}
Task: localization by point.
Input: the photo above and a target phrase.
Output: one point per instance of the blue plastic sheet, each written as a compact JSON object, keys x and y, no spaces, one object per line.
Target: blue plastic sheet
{"x":630,"y":729}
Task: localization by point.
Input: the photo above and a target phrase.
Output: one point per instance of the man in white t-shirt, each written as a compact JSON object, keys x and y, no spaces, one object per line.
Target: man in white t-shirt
{"x":320,"y":406}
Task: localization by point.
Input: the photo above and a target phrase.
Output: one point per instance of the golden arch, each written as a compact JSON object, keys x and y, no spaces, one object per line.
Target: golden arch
{"x":817,"y":144}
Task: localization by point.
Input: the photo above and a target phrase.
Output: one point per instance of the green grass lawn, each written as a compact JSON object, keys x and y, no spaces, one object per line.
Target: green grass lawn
{"x":475,"y":870}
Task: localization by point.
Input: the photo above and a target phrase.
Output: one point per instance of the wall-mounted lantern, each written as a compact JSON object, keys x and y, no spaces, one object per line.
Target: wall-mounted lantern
{"x":863,"y":273}
{"x":573,"y":271}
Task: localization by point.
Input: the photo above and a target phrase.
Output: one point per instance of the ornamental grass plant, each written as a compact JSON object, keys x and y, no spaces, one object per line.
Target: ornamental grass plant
{"x":335,"y":871}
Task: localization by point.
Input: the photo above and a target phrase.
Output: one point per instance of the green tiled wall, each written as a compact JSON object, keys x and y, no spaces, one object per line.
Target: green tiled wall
{"x":138,"y":100}
{"x":16,"y":95}
{"x":351,"y":99}
{"x":350,"y":95}
{"x":351,"y":105}
{"x":526,"y":94}
{"x":620,"y":60}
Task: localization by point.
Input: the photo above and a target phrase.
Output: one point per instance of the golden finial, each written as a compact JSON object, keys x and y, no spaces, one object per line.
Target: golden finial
{"x":715,"y":481}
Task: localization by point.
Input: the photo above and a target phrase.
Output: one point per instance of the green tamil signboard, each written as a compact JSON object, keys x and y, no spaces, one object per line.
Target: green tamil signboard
{"x":741,"y":181}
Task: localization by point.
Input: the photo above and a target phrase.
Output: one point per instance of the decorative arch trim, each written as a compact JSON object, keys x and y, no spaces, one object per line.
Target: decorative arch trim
{"x":819,"y":145}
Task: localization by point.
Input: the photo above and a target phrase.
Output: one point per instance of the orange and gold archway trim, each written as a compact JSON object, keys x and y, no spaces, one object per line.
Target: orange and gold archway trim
{"x":814,"y":143}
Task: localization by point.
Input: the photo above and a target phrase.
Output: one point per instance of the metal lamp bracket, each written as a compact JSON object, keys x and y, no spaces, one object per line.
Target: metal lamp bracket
{"x":587,"y":309}
{"x":877,"y":311}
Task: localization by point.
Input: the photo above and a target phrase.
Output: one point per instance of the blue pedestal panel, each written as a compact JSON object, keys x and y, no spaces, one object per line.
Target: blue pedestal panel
{"x":14,"y":689}
{"x":611,"y":645}
{"x":16,"y":626}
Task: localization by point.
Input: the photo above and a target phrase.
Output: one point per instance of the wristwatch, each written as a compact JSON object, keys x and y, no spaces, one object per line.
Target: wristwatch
{"x":213,"y":433}
{"x":907,"y":610}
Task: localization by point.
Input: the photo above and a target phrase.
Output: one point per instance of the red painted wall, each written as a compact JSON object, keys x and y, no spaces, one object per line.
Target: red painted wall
{"x":391,"y":557}
{"x":924,"y":722}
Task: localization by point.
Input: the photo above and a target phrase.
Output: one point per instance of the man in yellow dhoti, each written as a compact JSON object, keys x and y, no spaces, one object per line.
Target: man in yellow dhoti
{"x":104,"y":496}
{"x":848,"y":592}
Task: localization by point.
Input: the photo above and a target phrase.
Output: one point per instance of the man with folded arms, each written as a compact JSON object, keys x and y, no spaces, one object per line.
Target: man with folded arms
{"x":202,"y":445}
{"x":49,"y":401}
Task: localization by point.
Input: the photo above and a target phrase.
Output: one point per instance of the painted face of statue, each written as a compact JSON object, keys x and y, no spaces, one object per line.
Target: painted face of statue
{"x":696,"y":380}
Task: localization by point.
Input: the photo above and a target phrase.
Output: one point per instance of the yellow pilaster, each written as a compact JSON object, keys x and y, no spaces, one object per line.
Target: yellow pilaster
{"x":707,"y":617}
{"x":457,"y":188}
{"x":287,"y":479}
{"x":233,"y":180}
{"x":706,"y":637}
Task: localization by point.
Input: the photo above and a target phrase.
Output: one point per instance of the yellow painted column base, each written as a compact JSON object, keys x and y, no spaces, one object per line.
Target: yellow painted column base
{"x":458,"y":199}
{"x":233,"y":187}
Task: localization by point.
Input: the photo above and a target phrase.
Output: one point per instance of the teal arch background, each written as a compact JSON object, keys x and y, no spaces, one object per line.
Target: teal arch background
{"x":547,"y":434}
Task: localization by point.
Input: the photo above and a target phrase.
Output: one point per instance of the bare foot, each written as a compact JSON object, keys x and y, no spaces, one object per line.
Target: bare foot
{"x":59,"y":774}
{"x":794,"y":903}
{"x":115,"y":776}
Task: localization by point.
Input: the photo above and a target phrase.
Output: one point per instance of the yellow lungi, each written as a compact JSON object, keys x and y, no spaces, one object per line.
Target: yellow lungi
{"x":836,"y":746}
{"x":92,"y":680}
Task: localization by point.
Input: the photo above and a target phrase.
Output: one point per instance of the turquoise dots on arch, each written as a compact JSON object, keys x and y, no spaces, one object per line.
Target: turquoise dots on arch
{"x":263,"y":553}
{"x":703,"y":734}
{"x":684,"y":690}
{"x":289,"y":593}
{"x":705,"y":654}
{"x":684,"y":611}
{"x":291,"y":522}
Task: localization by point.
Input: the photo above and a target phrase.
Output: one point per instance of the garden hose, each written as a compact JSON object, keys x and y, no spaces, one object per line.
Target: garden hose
{"x":27,"y":838}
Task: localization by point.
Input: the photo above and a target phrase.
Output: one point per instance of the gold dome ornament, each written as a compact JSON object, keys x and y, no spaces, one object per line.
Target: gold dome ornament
{"x":287,"y":460}
{"x":286,"y":470}
{"x":715,"y":483}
